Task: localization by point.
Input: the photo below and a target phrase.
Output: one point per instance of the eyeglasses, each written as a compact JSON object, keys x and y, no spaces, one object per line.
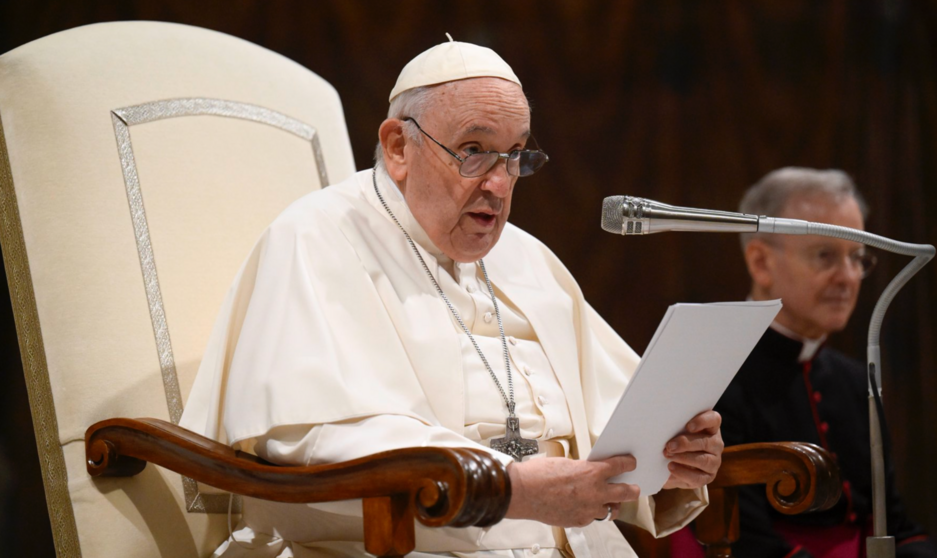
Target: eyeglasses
{"x":523,"y":162}
{"x":824,"y":258}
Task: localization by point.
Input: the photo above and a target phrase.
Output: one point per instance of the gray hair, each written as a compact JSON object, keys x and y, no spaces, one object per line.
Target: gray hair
{"x":771,"y":195}
{"x":413,"y":103}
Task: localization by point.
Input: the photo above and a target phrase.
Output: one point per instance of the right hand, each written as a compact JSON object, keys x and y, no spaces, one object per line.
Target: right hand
{"x":568,"y":492}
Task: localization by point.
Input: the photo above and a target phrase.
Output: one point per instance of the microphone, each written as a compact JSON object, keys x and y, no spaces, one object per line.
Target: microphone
{"x":629,"y":215}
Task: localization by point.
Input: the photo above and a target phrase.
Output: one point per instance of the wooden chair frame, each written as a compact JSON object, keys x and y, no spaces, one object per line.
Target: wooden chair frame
{"x":455,"y":487}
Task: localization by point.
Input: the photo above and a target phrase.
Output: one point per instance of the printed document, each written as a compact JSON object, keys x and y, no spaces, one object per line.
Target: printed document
{"x":688,"y":364}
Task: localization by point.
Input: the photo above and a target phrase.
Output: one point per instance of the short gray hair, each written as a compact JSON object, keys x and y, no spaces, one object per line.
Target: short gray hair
{"x":413,"y":103}
{"x":770,"y":195}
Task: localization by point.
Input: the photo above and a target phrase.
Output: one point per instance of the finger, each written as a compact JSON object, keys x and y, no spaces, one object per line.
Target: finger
{"x":707,"y":421}
{"x":622,"y":492}
{"x":694,"y":442}
{"x":611,"y":510}
{"x":705,"y":462}
{"x":683,"y":443}
{"x":682,"y":476}
{"x":618,"y":465}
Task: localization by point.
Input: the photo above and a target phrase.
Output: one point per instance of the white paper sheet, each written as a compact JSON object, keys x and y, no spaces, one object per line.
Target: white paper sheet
{"x":689,"y":363}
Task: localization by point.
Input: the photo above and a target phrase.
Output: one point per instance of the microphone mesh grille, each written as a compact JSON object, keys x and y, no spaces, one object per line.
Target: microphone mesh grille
{"x":612,"y":214}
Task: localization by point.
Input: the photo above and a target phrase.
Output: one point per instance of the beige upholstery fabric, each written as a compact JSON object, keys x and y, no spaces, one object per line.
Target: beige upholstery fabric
{"x":77,"y":248}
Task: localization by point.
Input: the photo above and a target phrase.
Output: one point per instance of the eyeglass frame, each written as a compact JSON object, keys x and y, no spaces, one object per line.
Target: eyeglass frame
{"x":461,"y":160}
{"x":854,"y":257}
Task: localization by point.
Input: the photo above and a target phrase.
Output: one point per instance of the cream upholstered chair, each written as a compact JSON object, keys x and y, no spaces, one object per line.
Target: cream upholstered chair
{"x":144,"y":160}
{"x":139,"y":163}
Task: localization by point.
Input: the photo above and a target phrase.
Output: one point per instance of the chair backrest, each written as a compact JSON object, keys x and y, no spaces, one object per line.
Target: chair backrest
{"x":139,"y":163}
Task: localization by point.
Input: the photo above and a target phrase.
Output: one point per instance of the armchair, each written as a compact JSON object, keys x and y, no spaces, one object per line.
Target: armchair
{"x":139,"y":162}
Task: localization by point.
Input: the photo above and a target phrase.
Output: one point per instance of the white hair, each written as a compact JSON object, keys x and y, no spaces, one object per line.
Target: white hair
{"x":413,"y":103}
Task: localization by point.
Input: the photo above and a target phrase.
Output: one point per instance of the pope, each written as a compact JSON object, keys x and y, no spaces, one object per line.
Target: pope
{"x":399,"y":308}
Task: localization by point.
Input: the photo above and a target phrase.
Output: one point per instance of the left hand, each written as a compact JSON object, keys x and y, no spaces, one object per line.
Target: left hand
{"x":695,"y":456}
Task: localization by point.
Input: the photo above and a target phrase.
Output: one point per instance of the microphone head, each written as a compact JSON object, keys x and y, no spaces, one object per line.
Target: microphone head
{"x":628,"y":215}
{"x":612,"y":214}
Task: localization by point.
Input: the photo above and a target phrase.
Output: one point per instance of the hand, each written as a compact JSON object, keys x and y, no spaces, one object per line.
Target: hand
{"x":568,"y":492}
{"x":696,"y":455}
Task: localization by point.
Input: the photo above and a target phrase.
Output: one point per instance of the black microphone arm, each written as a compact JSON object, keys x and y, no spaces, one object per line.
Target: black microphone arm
{"x":628,"y":215}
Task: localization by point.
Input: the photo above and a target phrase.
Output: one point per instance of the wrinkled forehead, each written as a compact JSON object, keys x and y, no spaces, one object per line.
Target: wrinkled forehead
{"x":479,"y":105}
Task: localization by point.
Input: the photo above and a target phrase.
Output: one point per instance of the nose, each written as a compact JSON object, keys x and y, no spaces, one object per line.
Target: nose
{"x":848,"y":271}
{"x":497,"y":180}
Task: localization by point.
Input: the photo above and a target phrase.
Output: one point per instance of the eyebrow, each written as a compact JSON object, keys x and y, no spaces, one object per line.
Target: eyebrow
{"x":489,"y":131}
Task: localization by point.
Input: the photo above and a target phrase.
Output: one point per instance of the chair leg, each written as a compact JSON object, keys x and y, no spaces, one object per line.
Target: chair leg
{"x":718,"y":526}
{"x":388,"y":526}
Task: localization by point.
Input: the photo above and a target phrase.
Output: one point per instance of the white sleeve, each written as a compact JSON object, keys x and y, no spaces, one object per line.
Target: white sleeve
{"x":304,"y":444}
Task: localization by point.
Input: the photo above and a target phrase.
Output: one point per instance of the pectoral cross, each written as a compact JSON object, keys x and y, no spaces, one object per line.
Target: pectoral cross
{"x":512,"y":443}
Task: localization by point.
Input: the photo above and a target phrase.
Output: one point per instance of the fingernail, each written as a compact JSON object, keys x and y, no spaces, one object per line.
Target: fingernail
{"x":672,"y":446}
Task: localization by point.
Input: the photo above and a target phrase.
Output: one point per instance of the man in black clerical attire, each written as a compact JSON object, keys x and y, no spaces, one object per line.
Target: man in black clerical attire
{"x":794,"y":388}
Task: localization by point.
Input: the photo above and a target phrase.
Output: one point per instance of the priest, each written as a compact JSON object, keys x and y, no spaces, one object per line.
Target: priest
{"x":400,"y":308}
{"x":794,"y":387}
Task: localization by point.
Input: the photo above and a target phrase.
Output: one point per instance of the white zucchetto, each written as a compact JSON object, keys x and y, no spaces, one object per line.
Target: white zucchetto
{"x":452,"y":61}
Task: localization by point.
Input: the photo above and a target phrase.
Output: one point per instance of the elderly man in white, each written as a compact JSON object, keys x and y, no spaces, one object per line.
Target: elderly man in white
{"x":400,"y":309}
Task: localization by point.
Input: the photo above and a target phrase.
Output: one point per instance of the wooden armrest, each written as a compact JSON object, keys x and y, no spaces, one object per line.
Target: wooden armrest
{"x":798,"y":477}
{"x":457,"y":487}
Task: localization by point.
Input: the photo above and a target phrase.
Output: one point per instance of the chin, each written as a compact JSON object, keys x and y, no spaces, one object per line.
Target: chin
{"x":836,"y":325}
{"x":474,"y":251}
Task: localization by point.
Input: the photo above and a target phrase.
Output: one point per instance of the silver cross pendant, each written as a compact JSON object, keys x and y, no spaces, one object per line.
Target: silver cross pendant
{"x":512,"y":443}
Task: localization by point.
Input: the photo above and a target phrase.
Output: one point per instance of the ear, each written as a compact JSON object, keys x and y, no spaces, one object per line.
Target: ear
{"x":760,"y":260}
{"x":393,"y":142}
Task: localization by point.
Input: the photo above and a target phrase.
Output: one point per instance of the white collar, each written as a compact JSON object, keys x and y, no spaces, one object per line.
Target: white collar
{"x":810,"y":346}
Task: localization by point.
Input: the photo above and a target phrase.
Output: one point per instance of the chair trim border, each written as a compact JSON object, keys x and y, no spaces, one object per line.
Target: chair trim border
{"x":122,"y":119}
{"x":35,"y":366}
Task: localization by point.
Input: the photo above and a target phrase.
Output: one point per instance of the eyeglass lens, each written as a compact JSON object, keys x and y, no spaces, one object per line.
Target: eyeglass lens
{"x":861,"y":261}
{"x":519,"y":163}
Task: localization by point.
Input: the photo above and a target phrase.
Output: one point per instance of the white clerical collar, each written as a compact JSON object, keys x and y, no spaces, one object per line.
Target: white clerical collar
{"x":810,"y":346}
{"x":398,"y":204}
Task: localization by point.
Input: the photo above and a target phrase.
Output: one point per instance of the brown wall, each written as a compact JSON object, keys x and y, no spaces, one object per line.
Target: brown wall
{"x":687,"y":102}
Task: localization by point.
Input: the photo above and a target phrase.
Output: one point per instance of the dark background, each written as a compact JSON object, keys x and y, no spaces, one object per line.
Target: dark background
{"x":686,"y":102}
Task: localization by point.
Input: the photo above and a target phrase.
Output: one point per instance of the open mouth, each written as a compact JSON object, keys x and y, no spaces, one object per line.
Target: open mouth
{"x":484,"y":219}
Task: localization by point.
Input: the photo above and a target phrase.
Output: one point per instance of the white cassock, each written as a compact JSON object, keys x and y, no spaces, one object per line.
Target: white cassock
{"x":333,"y":344}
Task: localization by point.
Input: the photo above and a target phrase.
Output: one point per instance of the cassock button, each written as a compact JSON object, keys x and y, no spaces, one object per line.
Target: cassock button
{"x":512,"y":340}
{"x":470,"y":287}
{"x":526,"y":370}
{"x":541,"y":400}
{"x":550,"y":433}
{"x":535,"y":549}
{"x":817,"y":397}
{"x":487,"y":317}
{"x":824,"y":427}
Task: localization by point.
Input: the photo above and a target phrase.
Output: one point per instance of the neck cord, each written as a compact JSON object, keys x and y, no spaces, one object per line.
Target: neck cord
{"x":508,"y":401}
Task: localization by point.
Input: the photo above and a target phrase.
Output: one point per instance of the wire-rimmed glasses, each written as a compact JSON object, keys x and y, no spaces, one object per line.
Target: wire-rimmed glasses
{"x":520,"y":162}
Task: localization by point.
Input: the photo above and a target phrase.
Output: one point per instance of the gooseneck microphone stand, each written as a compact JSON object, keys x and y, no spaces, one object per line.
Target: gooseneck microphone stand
{"x":628,"y":215}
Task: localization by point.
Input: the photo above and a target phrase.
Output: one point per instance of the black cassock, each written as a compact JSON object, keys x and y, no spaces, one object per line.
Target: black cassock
{"x":775,"y":398}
